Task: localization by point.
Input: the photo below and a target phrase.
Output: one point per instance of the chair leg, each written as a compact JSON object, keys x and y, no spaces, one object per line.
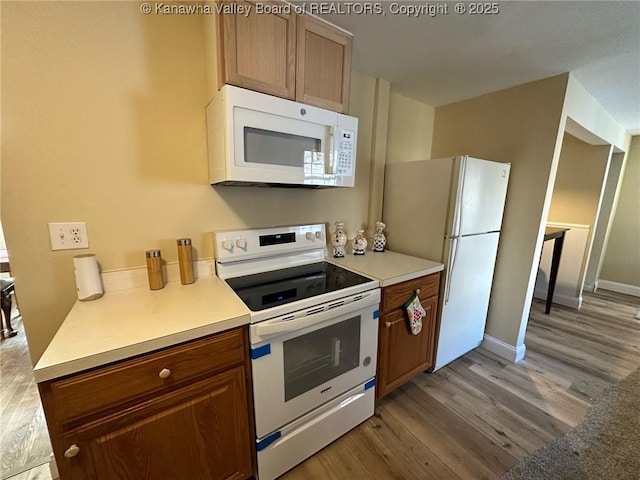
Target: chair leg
{"x":5,"y":305}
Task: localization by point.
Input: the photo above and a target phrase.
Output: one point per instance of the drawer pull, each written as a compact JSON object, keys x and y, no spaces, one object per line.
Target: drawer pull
{"x":391,"y":324}
{"x":72,"y":451}
{"x":164,"y":373}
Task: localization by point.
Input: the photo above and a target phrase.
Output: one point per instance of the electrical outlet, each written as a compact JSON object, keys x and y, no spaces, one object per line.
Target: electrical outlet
{"x":68,"y":235}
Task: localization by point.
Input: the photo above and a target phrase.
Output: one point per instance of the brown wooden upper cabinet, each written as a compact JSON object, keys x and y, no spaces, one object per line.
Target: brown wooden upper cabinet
{"x":258,"y":51}
{"x":287,"y":55}
{"x":323,"y":67}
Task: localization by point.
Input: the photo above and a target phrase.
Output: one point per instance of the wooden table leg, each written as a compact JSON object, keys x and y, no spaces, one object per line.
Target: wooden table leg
{"x":5,"y":306}
{"x":555,"y":265}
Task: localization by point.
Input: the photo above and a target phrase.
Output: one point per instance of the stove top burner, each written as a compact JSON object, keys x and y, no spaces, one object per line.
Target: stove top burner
{"x":278,"y":287}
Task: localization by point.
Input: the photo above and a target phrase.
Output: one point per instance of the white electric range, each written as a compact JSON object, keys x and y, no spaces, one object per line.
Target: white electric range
{"x":313,"y":334}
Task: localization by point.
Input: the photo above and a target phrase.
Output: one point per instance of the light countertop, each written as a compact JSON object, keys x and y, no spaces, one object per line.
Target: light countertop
{"x":387,"y":267}
{"x":129,"y":322}
{"x":133,"y":321}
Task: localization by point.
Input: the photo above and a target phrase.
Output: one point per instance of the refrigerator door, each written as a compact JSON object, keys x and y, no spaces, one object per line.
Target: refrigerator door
{"x":469,"y":266}
{"x":479,"y":197}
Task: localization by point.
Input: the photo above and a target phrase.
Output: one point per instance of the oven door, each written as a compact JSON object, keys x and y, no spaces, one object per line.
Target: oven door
{"x":301,"y":361}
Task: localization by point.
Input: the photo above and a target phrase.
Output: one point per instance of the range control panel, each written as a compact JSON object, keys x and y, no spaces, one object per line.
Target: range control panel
{"x":236,"y":245}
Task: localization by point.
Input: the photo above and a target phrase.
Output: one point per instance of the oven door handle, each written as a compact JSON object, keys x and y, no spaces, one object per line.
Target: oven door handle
{"x":314,"y":316}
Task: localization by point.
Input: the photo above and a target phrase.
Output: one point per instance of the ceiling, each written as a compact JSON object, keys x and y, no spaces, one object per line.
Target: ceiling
{"x":451,"y":57}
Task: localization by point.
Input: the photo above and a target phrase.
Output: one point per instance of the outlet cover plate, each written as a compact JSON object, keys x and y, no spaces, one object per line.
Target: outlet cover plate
{"x":68,"y":235}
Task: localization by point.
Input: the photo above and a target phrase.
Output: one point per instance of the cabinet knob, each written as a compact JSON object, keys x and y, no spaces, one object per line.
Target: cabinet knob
{"x":388,"y":324}
{"x":164,"y":373}
{"x":72,"y":451}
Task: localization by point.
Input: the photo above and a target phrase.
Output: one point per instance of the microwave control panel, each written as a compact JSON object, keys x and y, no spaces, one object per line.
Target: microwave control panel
{"x":345,"y":153}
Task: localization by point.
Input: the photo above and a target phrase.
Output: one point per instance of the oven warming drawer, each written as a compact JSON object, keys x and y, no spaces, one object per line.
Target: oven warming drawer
{"x":283,"y":449}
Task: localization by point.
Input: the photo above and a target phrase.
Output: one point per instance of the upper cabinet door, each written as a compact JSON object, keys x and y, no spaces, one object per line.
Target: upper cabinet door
{"x":323,"y":73}
{"x":259,"y":51}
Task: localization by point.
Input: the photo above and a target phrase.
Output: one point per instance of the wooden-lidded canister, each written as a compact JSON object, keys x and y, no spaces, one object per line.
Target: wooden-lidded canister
{"x":154,"y":269}
{"x":185,"y":261}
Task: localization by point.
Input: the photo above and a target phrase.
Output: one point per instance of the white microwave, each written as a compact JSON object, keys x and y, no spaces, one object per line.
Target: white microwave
{"x":259,"y":139}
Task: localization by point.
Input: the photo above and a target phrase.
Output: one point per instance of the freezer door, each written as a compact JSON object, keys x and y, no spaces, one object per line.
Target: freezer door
{"x":470,"y":262}
{"x":480,"y":196}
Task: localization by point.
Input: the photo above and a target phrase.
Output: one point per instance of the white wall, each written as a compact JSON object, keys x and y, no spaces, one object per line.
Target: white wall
{"x":581,"y":107}
{"x":568,"y":289}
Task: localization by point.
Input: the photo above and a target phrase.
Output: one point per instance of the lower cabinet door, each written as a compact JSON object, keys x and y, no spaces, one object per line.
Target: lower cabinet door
{"x":196,"y":432}
{"x":403,"y":355}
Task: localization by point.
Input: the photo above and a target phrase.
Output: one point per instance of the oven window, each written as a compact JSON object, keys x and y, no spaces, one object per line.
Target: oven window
{"x":317,"y":357}
{"x":275,"y":148}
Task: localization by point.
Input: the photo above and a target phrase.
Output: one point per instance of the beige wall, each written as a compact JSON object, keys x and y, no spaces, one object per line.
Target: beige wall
{"x":603,"y":227}
{"x":103,"y":121}
{"x":410,"y":129}
{"x":579,"y":182}
{"x":577,"y":195}
{"x":622,"y":258}
{"x":520,"y":125}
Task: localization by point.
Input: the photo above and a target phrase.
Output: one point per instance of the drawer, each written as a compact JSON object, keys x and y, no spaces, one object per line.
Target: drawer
{"x":395,"y":296}
{"x":79,"y":395}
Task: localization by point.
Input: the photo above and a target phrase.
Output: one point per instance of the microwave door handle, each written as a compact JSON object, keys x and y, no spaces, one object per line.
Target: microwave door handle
{"x":330,"y":166}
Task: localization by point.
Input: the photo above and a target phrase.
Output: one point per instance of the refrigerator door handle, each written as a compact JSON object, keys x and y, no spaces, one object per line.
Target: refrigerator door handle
{"x":453,"y":253}
{"x":463,"y":172}
{"x":457,"y":215}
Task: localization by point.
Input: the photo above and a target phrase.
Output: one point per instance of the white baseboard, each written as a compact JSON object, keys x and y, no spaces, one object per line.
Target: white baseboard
{"x":566,"y":300}
{"x":591,"y":287}
{"x":619,"y":287}
{"x":502,"y":349}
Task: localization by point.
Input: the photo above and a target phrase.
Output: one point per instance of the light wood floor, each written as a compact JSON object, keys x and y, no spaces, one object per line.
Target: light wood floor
{"x":24,"y":441}
{"x":480,"y":415}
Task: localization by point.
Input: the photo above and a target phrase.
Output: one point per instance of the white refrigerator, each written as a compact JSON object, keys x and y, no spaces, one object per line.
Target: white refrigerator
{"x":450,"y":210}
